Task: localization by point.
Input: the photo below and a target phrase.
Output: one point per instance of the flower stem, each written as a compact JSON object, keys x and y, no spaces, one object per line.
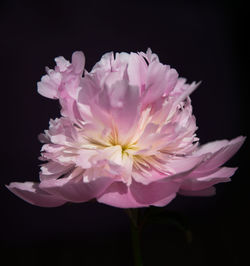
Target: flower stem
{"x":135,"y":235}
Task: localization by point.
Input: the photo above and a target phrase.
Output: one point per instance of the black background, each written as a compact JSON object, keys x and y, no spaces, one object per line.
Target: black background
{"x":203,"y":40}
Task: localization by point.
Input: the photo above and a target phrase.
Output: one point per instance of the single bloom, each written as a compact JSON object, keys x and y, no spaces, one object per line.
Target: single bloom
{"x":126,"y":136}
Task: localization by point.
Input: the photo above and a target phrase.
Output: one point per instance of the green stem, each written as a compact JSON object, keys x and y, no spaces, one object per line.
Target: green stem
{"x":135,"y":235}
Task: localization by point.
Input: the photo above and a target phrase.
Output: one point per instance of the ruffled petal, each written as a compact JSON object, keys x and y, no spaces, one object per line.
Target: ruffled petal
{"x":53,"y":170}
{"x":48,"y":86}
{"x":160,"y":80}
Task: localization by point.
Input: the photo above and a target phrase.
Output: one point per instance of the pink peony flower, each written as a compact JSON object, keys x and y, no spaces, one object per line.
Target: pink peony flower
{"x":126,"y":136}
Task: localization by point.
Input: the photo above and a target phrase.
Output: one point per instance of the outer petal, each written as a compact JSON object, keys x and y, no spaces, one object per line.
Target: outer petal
{"x":187,"y":164}
{"x":76,"y":190}
{"x":63,"y":83}
{"x":31,"y":193}
{"x":222,"y":152}
{"x":48,"y":86}
{"x":61,"y":63}
{"x":119,"y":195}
{"x":165,"y":201}
{"x":221,"y":175}
{"x":153,"y":192}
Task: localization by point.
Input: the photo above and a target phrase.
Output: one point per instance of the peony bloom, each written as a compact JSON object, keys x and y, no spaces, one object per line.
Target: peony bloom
{"x":126,"y":136}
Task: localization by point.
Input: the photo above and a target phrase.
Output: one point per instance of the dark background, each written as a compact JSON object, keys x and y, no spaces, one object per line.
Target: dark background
{"x":203,"y":40}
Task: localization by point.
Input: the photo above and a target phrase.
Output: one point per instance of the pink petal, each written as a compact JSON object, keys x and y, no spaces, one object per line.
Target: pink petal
{"x":49,"y":84}
{"x":61,"y":131}
{"x":119,"y":195}
{"x":191,"y":88}
{"x":160,"y":79}
{"x":149,"y":56}
{"x":186,"y":164}
{"x":137,"y":70}
{"x":128,"y":102}
{"x":151,"y":175}
{"x":83,"y":158}
{"x":76,"y":190}
{"x":211,"y":147}
{"x":62,"y":63}
{"x":105,"y":63}
{"x":153,"y":192}
{"x":165,"y":201}
{"x":78,"y":62}
{"x":31,"y":193}
{"x":221,"y":175}
{"x":222,"y":152}
{"x":179,"y":87}
{"x":53,"y":170}
{"x":181,"y":168}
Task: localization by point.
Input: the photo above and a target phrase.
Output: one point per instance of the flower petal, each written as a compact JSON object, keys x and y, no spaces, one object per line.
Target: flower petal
{"x":187,"y":164}
{"x":119,"y":195}
{"x":153,"y":192}
{"x":48,"y":86}
{"x":53,"y":170}
{"x":78,"y":61}
{"x":160,"y":80}
{"x":221,"y":175}
{"x":137,"y":70}
{"x":127,"y":103}
{"x":31,"y":193}
{"x":222,"y":152}
{"x":75,"y":190}
{"x":165,"y":201}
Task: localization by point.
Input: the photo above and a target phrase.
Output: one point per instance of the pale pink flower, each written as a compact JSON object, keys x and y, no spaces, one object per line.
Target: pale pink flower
{"x":126,"y":136}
